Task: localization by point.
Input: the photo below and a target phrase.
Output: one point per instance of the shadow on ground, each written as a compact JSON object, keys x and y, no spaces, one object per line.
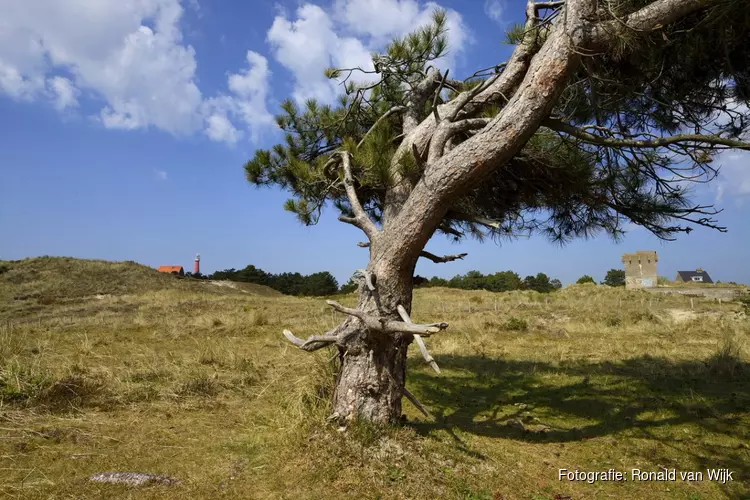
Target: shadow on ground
{"x":642,"y":397}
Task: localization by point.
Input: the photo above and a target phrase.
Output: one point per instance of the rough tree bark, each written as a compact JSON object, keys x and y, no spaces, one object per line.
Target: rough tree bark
{"x":374,"y":338}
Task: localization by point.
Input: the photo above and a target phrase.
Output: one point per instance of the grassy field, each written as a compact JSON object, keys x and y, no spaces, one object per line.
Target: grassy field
{"x":114,"y":367}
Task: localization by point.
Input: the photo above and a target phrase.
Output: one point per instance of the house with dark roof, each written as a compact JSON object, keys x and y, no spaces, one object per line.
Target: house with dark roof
{"x":172,"y":270}
{"x":697,"y":276}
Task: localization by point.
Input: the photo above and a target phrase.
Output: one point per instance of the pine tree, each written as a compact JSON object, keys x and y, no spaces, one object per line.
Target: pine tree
{"x":614,"y":277}
{"x":604,"y":114}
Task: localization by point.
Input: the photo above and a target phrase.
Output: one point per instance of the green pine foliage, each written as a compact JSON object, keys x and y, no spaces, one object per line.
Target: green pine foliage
{"x":669,"y":81}
{"x":614,"y":277}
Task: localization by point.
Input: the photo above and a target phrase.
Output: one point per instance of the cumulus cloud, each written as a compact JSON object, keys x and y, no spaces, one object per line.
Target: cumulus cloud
{"x":309,"y":45}
{"x":346,"y":36}
{"x":245,"y":103}
{"x":125,"y":61}
{"x":125,"y":55}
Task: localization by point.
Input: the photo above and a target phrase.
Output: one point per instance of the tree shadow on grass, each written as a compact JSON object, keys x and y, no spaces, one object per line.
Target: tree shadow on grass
{"x":643,"y":397}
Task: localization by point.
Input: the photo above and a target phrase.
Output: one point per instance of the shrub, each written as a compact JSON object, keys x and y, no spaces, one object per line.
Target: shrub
{"x":75,"y":391}
{"x":517,"y":324}
{"x":585,"y":279}
{"x":727,"y":363}
{"x":614,"y":277}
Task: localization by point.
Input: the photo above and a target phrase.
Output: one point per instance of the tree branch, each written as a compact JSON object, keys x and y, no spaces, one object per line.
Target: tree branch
{"x":388,"y":326}
{"x":416,"y":402}
{"x":418,"y":339}
{"x":437,"y":96}
{"x":548,"y":5}
{"x":658,"y":142}
{"x":360,"y":218}
{"x":475,"y":159}
{"x":446,"y":130}
{"x":649,"y":18}
{"x":367,"y":275}
{"x":465,"y":97}
{"x":440,"y":260}
{"x":478,"y":219}
{"x":392,"y":111}
{"x":314,"y":342}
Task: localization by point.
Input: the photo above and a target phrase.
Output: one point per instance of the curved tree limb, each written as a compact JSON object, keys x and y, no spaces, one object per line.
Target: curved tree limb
{"x":437,"y":95}
{"x":360,"y":219}
{"x":447,"y":130}
{"x":314,"y":342}
{"x":652,"y":17}
{"x":478,"y":157}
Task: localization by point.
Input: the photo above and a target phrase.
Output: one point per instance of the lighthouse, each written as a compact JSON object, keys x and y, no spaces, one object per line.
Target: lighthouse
{"x":197,"y":266}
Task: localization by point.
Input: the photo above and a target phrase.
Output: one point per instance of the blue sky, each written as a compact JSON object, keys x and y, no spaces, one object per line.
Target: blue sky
{"x":125,"y":125}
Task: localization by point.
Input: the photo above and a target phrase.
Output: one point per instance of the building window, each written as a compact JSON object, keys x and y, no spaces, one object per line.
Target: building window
{"x":697,"y":278}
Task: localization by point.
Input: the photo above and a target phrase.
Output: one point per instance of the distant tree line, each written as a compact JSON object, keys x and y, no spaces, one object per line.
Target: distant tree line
{"x":323,"y":283}
{"x":317,"y":284}
{"x":503,"y":281}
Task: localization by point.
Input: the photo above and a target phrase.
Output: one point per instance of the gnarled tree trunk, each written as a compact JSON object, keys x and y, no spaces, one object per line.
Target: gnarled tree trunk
{"x":374,"y":338}
{"x":372,"y":377}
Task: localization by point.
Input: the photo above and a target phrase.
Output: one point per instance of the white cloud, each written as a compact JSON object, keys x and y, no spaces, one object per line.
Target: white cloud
{"x":246,"y":103}
{"x":734,"y":177}
{"x":346,"y":38}
{"x":220,"y":129}
{"x":126,"y":55}
{"x":64,"y":93}
{"x":495,"y":10}
{"x":309,"y":45}
{"x":378,"y":18}
{"x":129,"y":60}
{"x":733,"y":181}
{"x":161,"y":175}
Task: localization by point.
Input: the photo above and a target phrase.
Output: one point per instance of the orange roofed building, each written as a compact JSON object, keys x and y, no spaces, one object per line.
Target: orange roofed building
{"x":172,"y":270}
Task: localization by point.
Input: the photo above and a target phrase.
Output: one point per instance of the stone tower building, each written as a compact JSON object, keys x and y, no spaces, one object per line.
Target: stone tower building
{"x":640,"y":269}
